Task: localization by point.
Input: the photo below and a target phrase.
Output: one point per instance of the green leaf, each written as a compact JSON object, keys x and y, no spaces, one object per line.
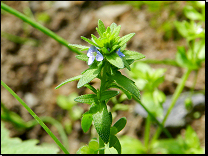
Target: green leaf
{"x":115,"y":60}
{"x":133,"y":55}
{"x":101,"y":26}
{"x":89,"y":41}
{"x":79,"y":46}
{"x":86,"y":121}
{"x":17,"y":146}
{"x":114,"y":142}
{"x":125,"y":39}
{"x":89,"y":75}
{"x":91,"y":88}
{"x":192,"y":14}
{"x":105,"y":51}
{"x":92,"y":148}
{"x":115,"y":47}
{"x":87,"y":98}
{"x":120,"y":124}
{"x":131,"y":145}
{"x":69,"y":80}
{"x":191,"y":138}
{"x":96,"y":40}
{"x":113,"y":27}
{"x":182,"y":28}
{"x":182,"y":60}
{"x":126,"y":64}
{"x":106,"y":95}
{"x":113,"y":85}
{"x":93,"y":144}
{"x":102,"y":122}
{"x":116,"y":31}
{"x":126,"y":83}
{"x":82,"y":57}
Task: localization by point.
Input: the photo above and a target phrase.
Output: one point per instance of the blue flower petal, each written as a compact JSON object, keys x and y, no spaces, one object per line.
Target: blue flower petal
{"x":120,"y":53}
{"x":93,"y":53}
{"x":99,"y":56}
{"x":91,"y":59}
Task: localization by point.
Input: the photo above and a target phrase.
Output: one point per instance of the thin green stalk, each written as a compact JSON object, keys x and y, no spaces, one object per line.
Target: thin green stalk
{"x":147,"y":132}
{"x":39,"y":27}
{"x":176,"y":94}
{"x":36,"y":117}
{"x":153,"y":118}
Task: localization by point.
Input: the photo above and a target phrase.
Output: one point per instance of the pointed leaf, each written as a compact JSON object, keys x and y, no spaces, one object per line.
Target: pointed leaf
{"x":101,"y":26}
{"x":69,"y":80}
{"x":125,"y":38}
{"x":106,"y":95}
{"x":96,"y":40}
{"x":89,"y":75}
{"x":116,"y":31}
{"x":82,"y":57}
{"x":115,"y":60}
{"x":113,"y":26}
{"x":126,"y":83}
{"x":79,"y":46}
{"x":91,"y":88}
{"x":89,"y":41}
{"x":87,"y":98}
{"x":114,"y":48}
{"x":126,"y":64}
{"x":133,"y":55}
{"x":114,"y":142}
{"x":102,"y":123}
{"x":120,"y":124}
{"x":113,"y":85}
{"x":86,"y":121}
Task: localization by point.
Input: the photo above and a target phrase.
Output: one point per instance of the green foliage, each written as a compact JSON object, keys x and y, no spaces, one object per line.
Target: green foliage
{"x":126,"y":83}
{"x":102,"y":122}
{"x":88,"y":98}
{"x":69,"y":80}
{"x":188,"y":145}
{"x":92,"y":148}
{"x":131,"y":145}
{"x":86,"y":121}
{"x":66,"y":102}
{"x":106,"y":95}
{"x":119,"y":125}
{"x":115,"y":60}
{"x":89,"y":75}
{"x":17,"y":146}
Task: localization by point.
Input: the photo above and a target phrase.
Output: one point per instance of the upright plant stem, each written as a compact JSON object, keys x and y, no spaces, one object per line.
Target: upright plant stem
{"x":147,"y":132}
{"x":176,"y":94}
{"x":39,"y":27}
{"x":36,"y":117}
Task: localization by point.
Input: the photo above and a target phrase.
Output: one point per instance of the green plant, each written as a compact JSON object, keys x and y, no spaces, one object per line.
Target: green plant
{"x":16,"y":145}
{"x":105,"y":57}
{"x":74,"y":111}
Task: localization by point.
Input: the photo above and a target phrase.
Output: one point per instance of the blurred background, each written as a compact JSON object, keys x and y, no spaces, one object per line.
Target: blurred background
{"x":33,"y":64}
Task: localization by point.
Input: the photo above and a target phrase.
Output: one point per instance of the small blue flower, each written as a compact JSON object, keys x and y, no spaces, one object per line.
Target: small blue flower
{"x":93,"y":53}
{"x":120,"y":53}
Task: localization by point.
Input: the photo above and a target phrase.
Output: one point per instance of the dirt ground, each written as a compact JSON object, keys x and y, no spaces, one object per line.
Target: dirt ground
{"x":37,"y":70}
